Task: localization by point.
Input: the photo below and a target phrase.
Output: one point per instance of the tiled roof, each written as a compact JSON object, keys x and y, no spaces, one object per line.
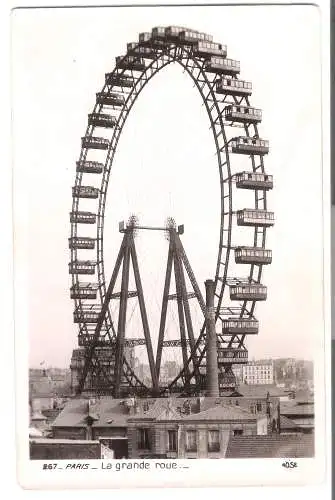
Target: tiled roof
{"x":162,"y":409}
{"x":287,"y":423}
{"x":260,"y":390}
{"x":53,"y":442}
{"x":159,"y":405}
{"x":296,"y":409}
{"x":242,"y":402}
{"x":111,"y":412}
{"x":105,"y":411}
{"x":73,"y":414}
{"x":271,"y":446}
{"x":51,"y":414}
{"x":221,"y":412}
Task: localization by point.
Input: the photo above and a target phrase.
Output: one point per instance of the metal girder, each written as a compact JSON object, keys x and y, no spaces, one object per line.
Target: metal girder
{"x":178,"y":343}
{"x":190,"y":295}
{"x":117,"y":295}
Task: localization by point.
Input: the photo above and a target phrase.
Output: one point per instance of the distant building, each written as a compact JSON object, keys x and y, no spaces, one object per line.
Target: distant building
{"x":143,"y":372}
{"x":129,"y":354}
{"x":48,"y":383}
{"x":285,"y":372}
{"x":172,"y":369}
{"x":169,"y":371}
{"x":255,"y":372}
{"x":238,"y":372}
{"x":295,"y":373}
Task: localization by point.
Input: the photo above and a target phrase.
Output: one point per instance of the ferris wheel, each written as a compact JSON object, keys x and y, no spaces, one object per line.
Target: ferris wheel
{"x":244,"y":215}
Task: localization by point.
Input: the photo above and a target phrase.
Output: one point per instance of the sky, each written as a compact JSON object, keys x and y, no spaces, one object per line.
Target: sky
{"x":165,"y":163}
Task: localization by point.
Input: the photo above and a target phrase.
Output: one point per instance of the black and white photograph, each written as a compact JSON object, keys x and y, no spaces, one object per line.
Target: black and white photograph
{"x":169,"y":241}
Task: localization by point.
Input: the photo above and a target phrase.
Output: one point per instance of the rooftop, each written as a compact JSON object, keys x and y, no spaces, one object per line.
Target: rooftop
{"x":260,"y":390}
{"x":63,"y":441}
{"x":271,"y":446}
{"x":109,"y":412}
{"x":287,"y":423}
{"x":105,"y":411}
{"x":260,"y":362}
{"x":222,"y":412}
{"x":162,"y":409}
{"x":292,"y":408}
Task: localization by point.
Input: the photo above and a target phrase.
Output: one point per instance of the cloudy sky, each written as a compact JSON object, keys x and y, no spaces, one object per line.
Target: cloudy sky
{"x":165,"y":164}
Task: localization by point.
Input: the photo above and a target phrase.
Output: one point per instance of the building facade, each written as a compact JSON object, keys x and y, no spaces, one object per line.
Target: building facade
{"x":255,"y":372}
{"x":162,"y":432}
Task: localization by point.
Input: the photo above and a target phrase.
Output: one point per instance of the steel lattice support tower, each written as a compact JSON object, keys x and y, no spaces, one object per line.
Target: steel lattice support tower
{"x":127,"y":256}
{"x":178,"y":262}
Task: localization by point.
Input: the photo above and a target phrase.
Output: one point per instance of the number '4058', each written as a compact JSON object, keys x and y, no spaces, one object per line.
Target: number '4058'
{"x":289,"y":464}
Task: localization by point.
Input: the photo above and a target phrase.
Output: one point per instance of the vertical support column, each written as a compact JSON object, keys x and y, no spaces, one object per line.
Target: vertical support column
{"x":212,"y":379}
{"x":181,"y":316}
{"x":164,"y":311}
{"x":121,"y":331}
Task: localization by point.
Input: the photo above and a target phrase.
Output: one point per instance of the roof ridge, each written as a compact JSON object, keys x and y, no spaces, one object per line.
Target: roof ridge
{"x":217,"y":408}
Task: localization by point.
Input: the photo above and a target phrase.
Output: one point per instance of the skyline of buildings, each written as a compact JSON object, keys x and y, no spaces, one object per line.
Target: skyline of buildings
{"x":47,"y":366}
{"x":282,"y":372}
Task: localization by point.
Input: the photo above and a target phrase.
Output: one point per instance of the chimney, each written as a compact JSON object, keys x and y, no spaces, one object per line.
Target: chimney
{"x":212,"y":379}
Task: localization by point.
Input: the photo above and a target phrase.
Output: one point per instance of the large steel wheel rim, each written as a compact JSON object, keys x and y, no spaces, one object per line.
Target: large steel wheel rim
{"x":205,"y":83}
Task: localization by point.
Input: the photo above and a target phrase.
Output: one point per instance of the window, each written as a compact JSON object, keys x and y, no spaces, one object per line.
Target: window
{"x":259,"y":407}
{"x":172,"y":440}
{"x":143,"y":439}
{"x":213,"y":440}
{"x":191,"y":441}
{"x":237,"y":432}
